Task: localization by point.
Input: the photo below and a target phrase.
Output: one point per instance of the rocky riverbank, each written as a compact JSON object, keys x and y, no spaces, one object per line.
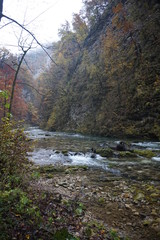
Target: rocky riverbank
{"x":129,"y":208}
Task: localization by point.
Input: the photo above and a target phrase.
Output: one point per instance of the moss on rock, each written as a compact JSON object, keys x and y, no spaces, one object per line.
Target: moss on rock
{"x":105,"y":152}
{"x":126,"y":154}
{"x":145,"y":153}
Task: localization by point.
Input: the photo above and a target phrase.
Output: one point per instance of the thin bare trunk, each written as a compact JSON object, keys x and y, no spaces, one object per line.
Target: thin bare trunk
{"x":15,"y":79}
{"x":4,"y":113}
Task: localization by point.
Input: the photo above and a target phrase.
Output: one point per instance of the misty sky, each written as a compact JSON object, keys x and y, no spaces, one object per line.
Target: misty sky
{"x":41,"y":17}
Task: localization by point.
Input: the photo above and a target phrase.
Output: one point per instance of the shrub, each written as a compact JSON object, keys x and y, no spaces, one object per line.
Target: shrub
{"x":13,"y":149}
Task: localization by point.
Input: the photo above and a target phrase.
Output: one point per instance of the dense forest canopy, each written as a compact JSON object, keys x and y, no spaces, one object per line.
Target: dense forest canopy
{"x":106,"y":78}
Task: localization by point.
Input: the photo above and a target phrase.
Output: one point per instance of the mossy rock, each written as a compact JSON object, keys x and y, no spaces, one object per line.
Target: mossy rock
{"x":145,"y":153}
{"x":126,"y":154}
{"x":57,"y":152}
{"x":101,"y":200}
{"x":147,"y":222}
{"x":65,"y":152}
{"x":155,"y":195}
{"x":105,"y":152}
{"x":139,"y":196}
{"x":49,"y":175}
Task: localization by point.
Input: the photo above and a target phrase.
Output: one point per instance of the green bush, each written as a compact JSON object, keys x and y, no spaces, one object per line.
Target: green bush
{"x":13,"y":150}
{"x":17,"y":213}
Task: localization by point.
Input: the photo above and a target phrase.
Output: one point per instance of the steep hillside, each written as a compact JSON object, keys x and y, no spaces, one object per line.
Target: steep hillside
{"x":107,"y":80}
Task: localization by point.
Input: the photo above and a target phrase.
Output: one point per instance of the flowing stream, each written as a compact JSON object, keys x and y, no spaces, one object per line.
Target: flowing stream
{"x":60,"y":148}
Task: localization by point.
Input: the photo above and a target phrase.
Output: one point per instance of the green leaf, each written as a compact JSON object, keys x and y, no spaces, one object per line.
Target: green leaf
{"x":24,"y":200}
{"x":4,"y":94}
{"x":7,"y":105}
{"x":79,"y":211}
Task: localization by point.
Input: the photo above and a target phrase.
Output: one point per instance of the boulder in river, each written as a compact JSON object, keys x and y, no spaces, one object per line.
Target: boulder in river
{"x":121,"y":146}
{"x":47,"y":135}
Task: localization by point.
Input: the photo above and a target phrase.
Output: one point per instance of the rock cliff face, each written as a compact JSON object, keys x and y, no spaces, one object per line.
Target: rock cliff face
{"x":113,"y":86}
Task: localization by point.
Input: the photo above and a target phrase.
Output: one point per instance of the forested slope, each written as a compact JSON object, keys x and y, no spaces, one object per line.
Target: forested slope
{"x":107,"y":77}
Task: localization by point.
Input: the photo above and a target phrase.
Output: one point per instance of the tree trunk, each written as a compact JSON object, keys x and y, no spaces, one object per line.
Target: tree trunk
{"x":15,"y":79}
{"x":1,"y":8}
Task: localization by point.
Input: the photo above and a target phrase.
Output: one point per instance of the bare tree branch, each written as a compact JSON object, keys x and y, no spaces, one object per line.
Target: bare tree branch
{"x":28,"y":66}
{"x":8,"y":66}
{"x":43,"y":12}
{"x":31,"y":87}
{"x":11,"y":19}
{"x":5,"y":25}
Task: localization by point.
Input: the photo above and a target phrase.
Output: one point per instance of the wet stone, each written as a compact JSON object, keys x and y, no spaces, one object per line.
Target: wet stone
{"x":136,"y":213}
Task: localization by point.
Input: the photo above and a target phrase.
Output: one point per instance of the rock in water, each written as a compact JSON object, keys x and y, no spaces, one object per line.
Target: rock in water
{"x":121,"y":147}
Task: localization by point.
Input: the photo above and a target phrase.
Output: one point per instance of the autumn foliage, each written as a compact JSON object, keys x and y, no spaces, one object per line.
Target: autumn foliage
{"x":20,"y":108}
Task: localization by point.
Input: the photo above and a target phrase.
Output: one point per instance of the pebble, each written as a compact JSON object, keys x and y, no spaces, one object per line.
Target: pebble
{"x":120,"y":210}
{"x":129,"y":224}
{"x":63,"y":184}
{"x":136,"y":213}
{"x":147,"y":222}
{"x":126,"y":195}
{"x":128,"y":206}
{"x":154,"y":212}
{"x":77,"y":234}
{"x":108,"y":213}
{"x":157,"y":220}
{"x":134,"y":224}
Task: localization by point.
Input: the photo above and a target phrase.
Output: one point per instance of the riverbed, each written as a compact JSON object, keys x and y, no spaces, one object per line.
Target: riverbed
{"x":69,"y":149}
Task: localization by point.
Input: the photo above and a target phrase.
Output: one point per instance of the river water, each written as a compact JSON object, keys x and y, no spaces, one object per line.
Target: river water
{"x":60,"y":148}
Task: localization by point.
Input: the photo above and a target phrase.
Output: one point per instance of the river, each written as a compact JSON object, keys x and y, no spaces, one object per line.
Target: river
{"x":60,"y":148}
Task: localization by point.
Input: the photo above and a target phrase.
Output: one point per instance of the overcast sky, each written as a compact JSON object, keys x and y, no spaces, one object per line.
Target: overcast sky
{"x":41,"y":17}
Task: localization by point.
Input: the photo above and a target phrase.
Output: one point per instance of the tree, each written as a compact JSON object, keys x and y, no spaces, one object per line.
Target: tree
{"x":80,"y":28}
{"x":24,"y":50}
{"x":15,"y":78}
{"x":7,"y":75}
{"x":1,"y":8}
{"x":94,"y":10}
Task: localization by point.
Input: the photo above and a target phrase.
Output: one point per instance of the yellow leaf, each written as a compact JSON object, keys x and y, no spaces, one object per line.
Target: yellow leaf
{"x":102,"y":232}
